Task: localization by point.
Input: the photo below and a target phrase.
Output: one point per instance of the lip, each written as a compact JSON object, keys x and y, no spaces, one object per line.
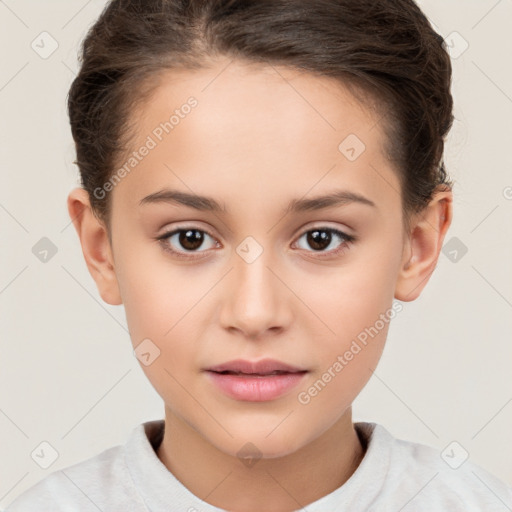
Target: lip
{"x":261,"y":367}
{"x":255,"y":381}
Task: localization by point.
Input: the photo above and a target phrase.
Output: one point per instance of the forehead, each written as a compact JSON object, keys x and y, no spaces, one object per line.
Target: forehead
{"x":238,"y":128}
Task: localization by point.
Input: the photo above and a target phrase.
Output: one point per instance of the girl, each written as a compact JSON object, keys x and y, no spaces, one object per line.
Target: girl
{"x":262,"y":186}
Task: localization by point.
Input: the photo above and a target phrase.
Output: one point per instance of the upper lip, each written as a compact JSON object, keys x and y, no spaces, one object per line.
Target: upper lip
{"x":262,"y":367}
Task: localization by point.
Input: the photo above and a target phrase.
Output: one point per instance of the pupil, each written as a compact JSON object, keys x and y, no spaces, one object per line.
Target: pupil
{"x":318,"y":239}
{"x":191,"y":239}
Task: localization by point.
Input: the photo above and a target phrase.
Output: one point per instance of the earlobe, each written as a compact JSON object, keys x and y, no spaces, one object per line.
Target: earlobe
{"x":95,"y":245}
{"x":423,"y":246}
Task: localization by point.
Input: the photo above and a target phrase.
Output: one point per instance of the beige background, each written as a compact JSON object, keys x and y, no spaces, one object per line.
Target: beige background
{"x":67,"y":373}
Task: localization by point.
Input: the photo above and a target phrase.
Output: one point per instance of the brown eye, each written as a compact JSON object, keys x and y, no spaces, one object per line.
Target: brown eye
{"x":186,"y":240}
{"x":190,"y":239}
{"x":321,"y":239}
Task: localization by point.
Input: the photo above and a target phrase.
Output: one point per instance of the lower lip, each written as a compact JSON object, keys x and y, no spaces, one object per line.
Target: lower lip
{"x":257,"y":388}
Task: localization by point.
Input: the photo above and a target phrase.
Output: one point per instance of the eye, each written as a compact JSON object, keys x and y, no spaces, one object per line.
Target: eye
{"x":322,"y":238}
{"x":188,"y":240}
{"x":185,"y":242}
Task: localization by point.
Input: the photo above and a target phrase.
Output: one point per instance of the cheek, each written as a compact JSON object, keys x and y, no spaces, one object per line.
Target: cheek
{"x":348,"y":299}
{"x":158,"y":298}
{"x":344,"y":367}
{"x":164,"y":312}
{"x":355,"y":306}
{"x":161,"y":310}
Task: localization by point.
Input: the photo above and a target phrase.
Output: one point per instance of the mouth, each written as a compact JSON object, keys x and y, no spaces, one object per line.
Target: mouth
{"x":264,"y":367}
{"x":227,"y":372}
{"x":259,"y":381}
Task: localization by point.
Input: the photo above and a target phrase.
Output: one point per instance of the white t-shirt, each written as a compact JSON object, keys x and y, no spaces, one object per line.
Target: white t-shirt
{"x":394,"y":475}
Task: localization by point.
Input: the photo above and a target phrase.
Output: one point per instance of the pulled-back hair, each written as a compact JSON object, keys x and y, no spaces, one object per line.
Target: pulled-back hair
{"x":384,"y":50}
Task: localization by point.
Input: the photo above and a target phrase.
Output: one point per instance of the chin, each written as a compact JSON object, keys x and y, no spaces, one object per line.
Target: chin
{"x":258,"y":444}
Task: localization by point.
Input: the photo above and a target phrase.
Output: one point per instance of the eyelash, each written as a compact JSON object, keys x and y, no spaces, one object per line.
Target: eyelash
{"x":347,"y":240}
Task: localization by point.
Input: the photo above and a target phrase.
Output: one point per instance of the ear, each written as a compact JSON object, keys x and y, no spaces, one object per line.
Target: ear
{"x":95,"y":246}
{"x":423,"y":245}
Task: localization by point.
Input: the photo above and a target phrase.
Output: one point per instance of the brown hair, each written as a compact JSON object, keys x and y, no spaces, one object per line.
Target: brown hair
{"x":386,"y":50}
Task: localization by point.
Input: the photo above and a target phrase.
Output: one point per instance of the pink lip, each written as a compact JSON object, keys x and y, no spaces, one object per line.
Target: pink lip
{"x":257,"y":381}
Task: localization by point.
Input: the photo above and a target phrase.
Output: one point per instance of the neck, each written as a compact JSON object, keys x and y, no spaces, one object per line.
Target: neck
{"x":281,"y":484}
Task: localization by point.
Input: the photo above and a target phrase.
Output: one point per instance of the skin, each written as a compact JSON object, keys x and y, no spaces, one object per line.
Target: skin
{"x":259,"y":137}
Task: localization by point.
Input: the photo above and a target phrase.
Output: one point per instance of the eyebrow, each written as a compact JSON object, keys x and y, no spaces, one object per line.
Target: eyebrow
{"x":204,"y":203}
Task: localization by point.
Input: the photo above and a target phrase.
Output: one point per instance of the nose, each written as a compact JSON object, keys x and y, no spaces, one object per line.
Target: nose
{"x":256,"y":301}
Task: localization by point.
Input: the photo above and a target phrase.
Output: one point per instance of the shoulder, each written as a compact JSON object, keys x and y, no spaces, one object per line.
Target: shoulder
{"x":427,"y":478}
{"x":101,"y":482}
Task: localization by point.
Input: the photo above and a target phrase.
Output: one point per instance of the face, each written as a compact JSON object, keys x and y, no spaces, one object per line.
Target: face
{"x":270,"y":273}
